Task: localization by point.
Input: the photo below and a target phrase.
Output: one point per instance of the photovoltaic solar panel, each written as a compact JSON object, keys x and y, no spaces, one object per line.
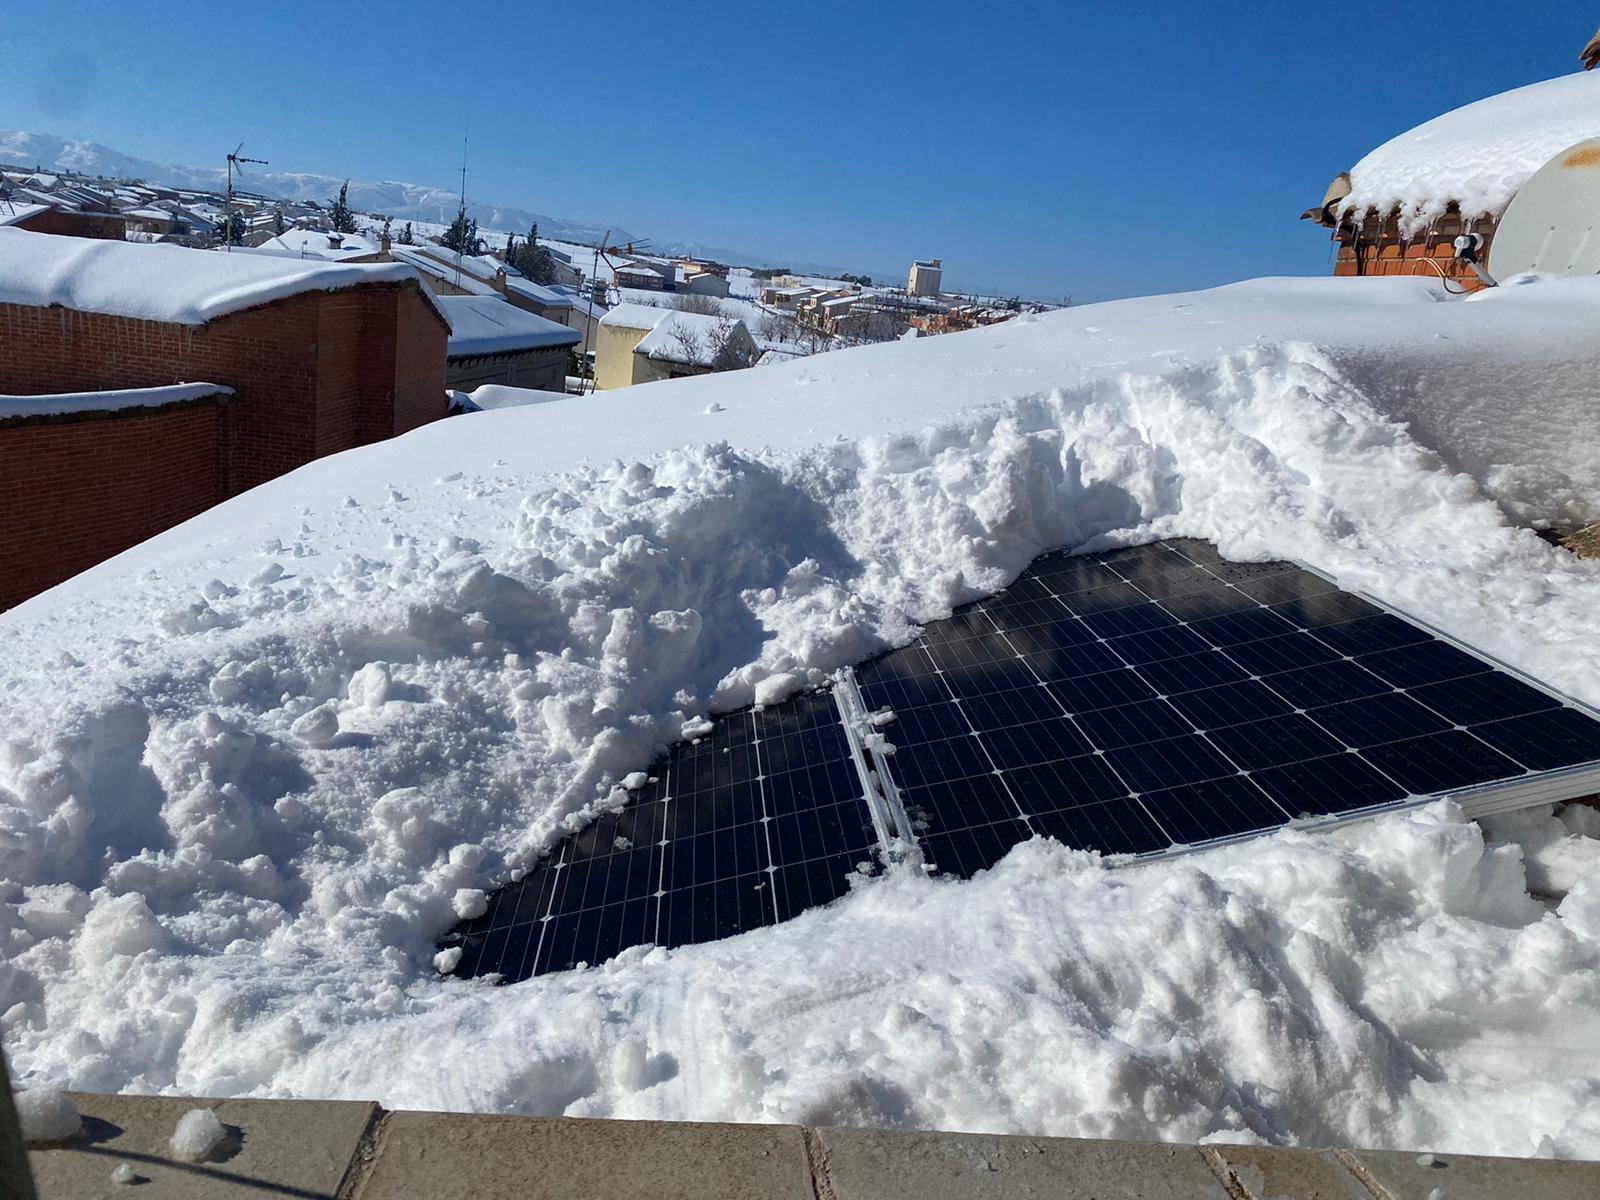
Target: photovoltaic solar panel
{"x":754,"y":823}
{"x":1159,"y":696}
{"x":1135,"y":702}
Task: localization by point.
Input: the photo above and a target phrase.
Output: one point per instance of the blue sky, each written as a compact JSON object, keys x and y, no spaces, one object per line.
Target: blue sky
{"x":1084,"y":149}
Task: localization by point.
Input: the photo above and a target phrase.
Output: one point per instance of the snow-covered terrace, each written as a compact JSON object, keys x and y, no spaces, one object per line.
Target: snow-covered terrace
{"x":254,"y":767}
{"x":490,"y":325}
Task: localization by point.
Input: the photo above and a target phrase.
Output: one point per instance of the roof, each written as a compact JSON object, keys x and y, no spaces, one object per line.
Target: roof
{"x":497,"y":395}
{"x":317,"y":243}
{"x":1477,"y":156}
{"x":113,"y":401}
{"x":429,"y":265}
{"x":163,"y":282}
{"x":673,"y":335}
{"x":12,"y":214}
{"x":491,"y":325}
{"x":541,"y":293}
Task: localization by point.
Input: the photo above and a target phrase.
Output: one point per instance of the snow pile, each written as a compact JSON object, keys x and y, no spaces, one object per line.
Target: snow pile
{"x":491,"y":396}
{"x":62,"y":403}
{"x":199,"y":1135}
{"x":492,"y":325}
{"x":252,"y":769}
{"x":47,"y":1114}
{"x":1476,"y":156}
{"x":163,"y":282}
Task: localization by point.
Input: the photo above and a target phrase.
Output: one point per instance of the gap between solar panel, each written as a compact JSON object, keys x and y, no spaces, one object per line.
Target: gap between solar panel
{"x":1139,"y":702}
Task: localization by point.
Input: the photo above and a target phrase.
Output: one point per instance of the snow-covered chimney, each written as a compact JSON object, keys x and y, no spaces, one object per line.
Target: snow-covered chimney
{"x":336,"y":241}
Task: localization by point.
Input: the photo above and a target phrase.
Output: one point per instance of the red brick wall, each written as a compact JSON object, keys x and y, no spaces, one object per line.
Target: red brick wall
{"x":1378,"y":250}
{"x":65,"y":222}
{"x":74,"y":490}
{"x":314,"y":374}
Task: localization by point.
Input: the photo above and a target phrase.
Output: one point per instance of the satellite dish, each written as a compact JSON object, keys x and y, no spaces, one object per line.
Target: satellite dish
{"x":1551,"y":223}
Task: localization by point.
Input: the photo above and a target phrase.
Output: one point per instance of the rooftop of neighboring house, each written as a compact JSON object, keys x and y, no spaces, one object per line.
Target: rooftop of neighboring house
{"x":164,"y":282}
{"x":415,"y":256}
{"x":319,"y":243}
{"x":491,"y":325}
{"x":673,"y":335}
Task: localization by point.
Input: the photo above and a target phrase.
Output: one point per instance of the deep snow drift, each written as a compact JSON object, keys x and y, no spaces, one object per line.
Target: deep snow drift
{"x":251,"y":768}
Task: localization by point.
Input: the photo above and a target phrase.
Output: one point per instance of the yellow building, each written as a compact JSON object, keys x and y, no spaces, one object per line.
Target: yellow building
{"x":638,"y":343}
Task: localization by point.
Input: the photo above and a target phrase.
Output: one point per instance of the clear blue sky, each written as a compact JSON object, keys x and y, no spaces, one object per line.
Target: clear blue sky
{"x":1093,"y":149}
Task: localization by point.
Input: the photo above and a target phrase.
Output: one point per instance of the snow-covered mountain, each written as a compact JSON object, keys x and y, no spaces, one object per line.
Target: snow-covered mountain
{"x":405,"y":201}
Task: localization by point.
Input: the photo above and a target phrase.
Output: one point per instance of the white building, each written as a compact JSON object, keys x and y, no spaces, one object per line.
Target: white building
{"x":926,"y":277}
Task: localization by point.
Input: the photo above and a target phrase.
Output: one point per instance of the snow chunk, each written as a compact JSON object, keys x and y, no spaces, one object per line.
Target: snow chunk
{"x":123,"y":1172}
{"x":47,"y":1114}
{"x":469,"y":903}
{"x":319,"y":726}
{"x":199,"y":1135}
{"x":446,"y":960}
{"x":635,"y":780}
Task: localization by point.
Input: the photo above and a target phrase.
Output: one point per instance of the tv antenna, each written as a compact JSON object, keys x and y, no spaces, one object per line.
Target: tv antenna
{"x":461,"y":249}
{"x":236,"y":162}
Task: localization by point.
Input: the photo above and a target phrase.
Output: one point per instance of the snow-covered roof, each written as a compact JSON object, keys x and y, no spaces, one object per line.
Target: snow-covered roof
{"x":1477,"y":156}
{"x":491,"y":325}
{"x":164,"y":282}
{"x":674,"y":335}
{"x":493,"y":396}
{"x":541,"y":293}
{"x":63,"y":403}
{"x":429,"y":265}
{"x":11,"y":214}
{"x":318,"y":243}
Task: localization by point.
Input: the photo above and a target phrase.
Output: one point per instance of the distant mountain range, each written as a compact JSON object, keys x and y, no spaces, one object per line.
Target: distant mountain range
{"x":403,"y":201}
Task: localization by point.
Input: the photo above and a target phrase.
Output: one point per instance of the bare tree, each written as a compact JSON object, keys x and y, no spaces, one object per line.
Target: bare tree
{"x":705,"y":306}
{"x":717,"y":347}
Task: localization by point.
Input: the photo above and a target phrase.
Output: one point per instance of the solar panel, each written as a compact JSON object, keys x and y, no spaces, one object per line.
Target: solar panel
{"x":1136,"y":702}
{"x":750,"y":825}
{"x":1157,"y":697}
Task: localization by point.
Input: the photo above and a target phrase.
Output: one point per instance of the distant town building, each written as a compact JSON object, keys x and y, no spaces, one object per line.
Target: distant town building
{"x":641,"y":344}
{"x":643,"y":276}
{"x":926,"y":277}
{"x":705,"y":283}
{"x":494,"y":341}
{"x":300,"y":359}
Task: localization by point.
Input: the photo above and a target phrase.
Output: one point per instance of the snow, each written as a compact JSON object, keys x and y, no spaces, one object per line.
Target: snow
{"x":414,"y":257}
{"x":198,"y":1136}
{"x":485,"y":325}
{"x":163,"y":282}
{"x":495,"y":395}
{"x":113,"y":401}
{"x":318,"y":243}
{"x":13,"y":214}
{"x":488,"y":625}
{"x":1476,"y":156}
{"x":47,"y":1114}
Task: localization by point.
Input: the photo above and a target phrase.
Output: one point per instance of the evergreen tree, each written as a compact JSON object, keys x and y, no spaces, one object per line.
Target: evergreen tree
{"x":406,"y":238}
{"x":533,"y":260}
{"x":279,"y":224}
{"x":388,"y":222}
{"x":232,"y":230}
{"x":462,"y":236}
{"x":344,"y":221}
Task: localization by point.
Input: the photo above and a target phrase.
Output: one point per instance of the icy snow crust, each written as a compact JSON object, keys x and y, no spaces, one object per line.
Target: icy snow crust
{"x":162,"y":282}
{"x":1478,"y":155}
{"x":251,"y":769}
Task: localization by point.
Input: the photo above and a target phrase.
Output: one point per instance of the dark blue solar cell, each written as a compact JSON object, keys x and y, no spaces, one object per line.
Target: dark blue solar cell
{"x":1441,"y":762}
{"x":1547,"y":740}
{"x":1215,"y":603}
{"x":1159,"y":644}
{"x":1326,"y":608}
{"x":1241,"y":573}
{"x":1252,"y":625}
{"x":1328,"y":683}
{"x":1490,"y":696}
{"x":1374,"y":720}
{"x":1106,"y":689}
{"x":1136,"y":618}
{"x":1147,"y":721}
{"x":1121,"y":826}
{"x":957,"y":758}
{"x":1021,"y":706}
{"x":1067,"y":576}
{"x":1079,"y":660}
{"x":1272,"y":655}
{"x":1320,"y":786}
{"x":1424,"y":663}
{"x":1230,"y":704}
{"x":1104,"y":599}
{"x":1219,"y":808}
{"x":1037,"y":742}
{"x":1207,"y":669}
{"x":954,"y":804}
{"x":1067,"y":783}
{"x":1152,"y":766}
{"x":914,"y":726}
{"x":1286,"y":587}
{"x":1367,"y":635}
{"x":1273,"y":742}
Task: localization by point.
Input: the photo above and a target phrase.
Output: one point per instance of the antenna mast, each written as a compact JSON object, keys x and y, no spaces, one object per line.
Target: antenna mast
{"x":461,"y":249}
{"x":236,"y":162}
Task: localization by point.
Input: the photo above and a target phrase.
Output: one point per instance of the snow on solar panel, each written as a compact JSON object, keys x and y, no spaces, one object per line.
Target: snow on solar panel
{"x":1136,"y":702}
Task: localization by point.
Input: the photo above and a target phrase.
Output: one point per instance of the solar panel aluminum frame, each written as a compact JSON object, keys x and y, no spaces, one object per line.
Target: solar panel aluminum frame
{"x":867,"y":747}
{"x":1552,"y":786}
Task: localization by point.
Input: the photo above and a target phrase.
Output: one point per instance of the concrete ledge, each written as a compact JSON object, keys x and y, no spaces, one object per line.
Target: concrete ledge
{"x":306,"y":1150}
